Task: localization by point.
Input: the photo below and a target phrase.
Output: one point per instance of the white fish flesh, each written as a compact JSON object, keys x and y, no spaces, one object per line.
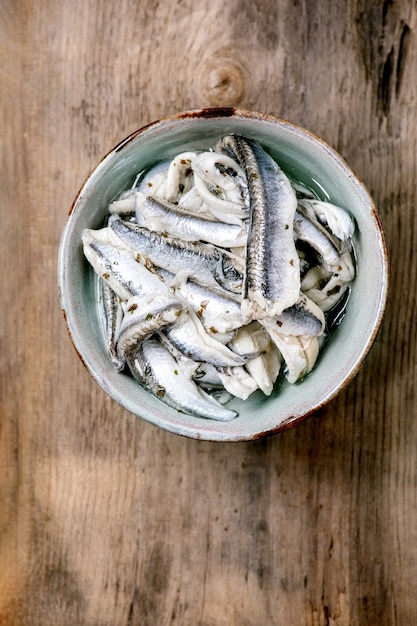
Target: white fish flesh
{"x":325,"y":288}
{"x":238,"y":381}
{"x":154,"y":181}
{"x":125,"y":205}
{"x":265,"y":367}
{"x":222,"y":185}
{"x":338,"y":221}
{"x":219,"y":310}
{"x":299,"y":353}
{"x":180,"y":177}
{"x":193,"y":203}
{"x":224,"y":175}
{"x":208,"y":376}
{"x":189,"y":367}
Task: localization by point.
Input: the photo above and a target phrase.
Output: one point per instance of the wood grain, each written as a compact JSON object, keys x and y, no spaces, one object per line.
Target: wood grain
{"x":105,"y":519}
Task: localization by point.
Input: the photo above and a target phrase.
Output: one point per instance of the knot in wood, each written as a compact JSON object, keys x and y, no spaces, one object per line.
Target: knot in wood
{"x":223,"y":82}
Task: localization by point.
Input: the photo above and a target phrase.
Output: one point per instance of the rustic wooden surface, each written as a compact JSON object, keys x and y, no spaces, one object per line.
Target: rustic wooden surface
{"x":106,"y":520}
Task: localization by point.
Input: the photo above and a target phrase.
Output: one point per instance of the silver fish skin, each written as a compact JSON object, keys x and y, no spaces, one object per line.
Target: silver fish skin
{"x":272,"y":281}
{"x":144,"y":317}
{"x":208,"y":376}
{"x":117,"y":266}
{"x":307,"y":229}
{"x":164,"y":217}
{"x":203,"y":262}
{"x":113,"y":313}
{"x":188,"y":366}
{"x":304,"y":318}
{"x":158,"y":371}
{"x":190,"y":338}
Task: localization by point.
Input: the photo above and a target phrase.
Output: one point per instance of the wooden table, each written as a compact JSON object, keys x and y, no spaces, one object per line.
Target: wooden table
{"x":106,"y":520}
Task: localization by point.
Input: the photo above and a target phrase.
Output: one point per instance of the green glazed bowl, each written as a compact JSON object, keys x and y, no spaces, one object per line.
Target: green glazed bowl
{"x":303,"y":156}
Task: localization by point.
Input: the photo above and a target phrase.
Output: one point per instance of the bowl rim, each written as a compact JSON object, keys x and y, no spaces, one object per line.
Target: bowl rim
{"x":237,"y":113}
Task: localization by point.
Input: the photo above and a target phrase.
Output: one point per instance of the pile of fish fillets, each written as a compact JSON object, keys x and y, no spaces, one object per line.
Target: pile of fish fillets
{"x":217,"y":273}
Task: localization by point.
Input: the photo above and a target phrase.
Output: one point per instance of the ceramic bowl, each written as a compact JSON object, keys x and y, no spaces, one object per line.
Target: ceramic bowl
{"x":306,"y":158}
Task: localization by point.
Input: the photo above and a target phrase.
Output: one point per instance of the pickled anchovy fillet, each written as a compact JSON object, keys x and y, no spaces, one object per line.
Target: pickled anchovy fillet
{"x":117,"y":266}
{"x":337,"y":312}
{"x":313,"y":233}
{"x":158,"y":371}
{"x":302,"y":318}
{"x":189,"y":367}
{"x":222,"y":184}
{"x":302,"y":191}
{"x":194,"y":204}
{"x":154,"y":181}
{"x":179,"y":176}
{"x":272,"y":281}
{"x":207,"y":375}
{"x":336,"y":219}
{"x":326,"y":288}
{"x":142,"y":319}
{"x":125,"y":205}
{"x":238,"y":381}
{"x":299,"y":353}
{"x":203,"y":262}
{"x":164,"y":217}
{"x":113,"y":313}
{"x":223,"y":173}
